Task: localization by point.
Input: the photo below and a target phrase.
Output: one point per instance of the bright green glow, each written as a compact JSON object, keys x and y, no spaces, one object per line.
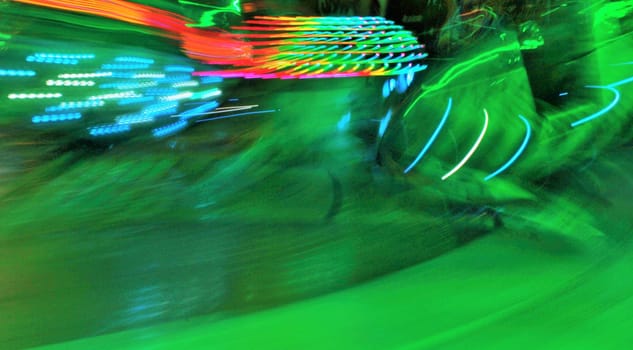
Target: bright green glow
{"x":621,"y":82}
{"x":615,"y":9}
{"x":3,"y":38}
{"x":206,"y":94}
{"x":471,"y":151}
{"x":208,"y":17}
{"x":459,"y":69}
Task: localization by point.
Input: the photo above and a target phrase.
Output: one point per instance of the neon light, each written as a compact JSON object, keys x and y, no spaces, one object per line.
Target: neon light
{"x":160,"y":109}
{"x":384,"y":122}
{"x":259,"y":48}
{"x":124,"y":94}
{"x":70,"y":83}
{"x":410,"y":77}
{"x":207,"y":94}
{"x":169,"y":129}
{"x":603,"y":111}
{"x":433,"y":137}
{"x":386,"y":90}
{"x":34,"y":96}
{"x":140,"y":60}
{"x":51,"y":60}
{"x":16,"y":73}
{"x":128,"y":85}
{"x":65,"y":56}
{"x":621,"y":82}
{"x":343,"y":124}
{"x":176,"y":97}
{"x":47,"y":118}
{"x":134,"y":100}
{"x":190,"y":83}
{"x":75,"y":105}
{"x":160,"y":91}
{"x":175,"y":78}
{"x":194,"y":112}
{"x":178,"y":69}
{"x":230,"y":109}
{"x":148,"y":75}
{"x":472,"y":150}
{"x":237,"y":115}
{"x":107,"y":130}
{"x":84,"y":75}
{"x":210,"y":80}
{"x":460,"y":69}
{"x":526,"y":140}
{"x":206,"y":20}
{"x":124,"y":66}
{"x":134,"y":119}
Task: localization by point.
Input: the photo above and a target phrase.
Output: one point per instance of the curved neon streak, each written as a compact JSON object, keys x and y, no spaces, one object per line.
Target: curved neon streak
{"x":526,"y":140}
{"x":472,"y":150}
{"x":622,"y":82}
{"x":433,"y":137}
{"x":603,"y":111}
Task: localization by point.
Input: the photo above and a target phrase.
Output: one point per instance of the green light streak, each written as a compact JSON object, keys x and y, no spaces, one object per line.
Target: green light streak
{"x":460,"y":69}
{"x":207,"y":18}
{"x":4,"y":38}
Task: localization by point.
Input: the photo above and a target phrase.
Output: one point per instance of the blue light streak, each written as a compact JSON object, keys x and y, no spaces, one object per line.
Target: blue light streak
{"x":621,"y":82}
{"x":65,"y":56}
{"x":386,"y":90}
{"x":200,"y":110}
{"x":160,"y":109}
{"x":48,"y":118}
{"x":169,"y":129}
{"x":135,"y":100}
{"x":51,"y":60}
{"x":75,"y":105}
{"x":181,"y":69}
{"x":526,"y":140}
{"x":384,"y":122}
{"x":433,"y":137}
{"x":603,"y":111}
{"x":210,"y":80}
{"x":16,"y":73}
{"x":124,"y":66}
{"x":343,"y":124}
{"x":128,"y":59}
{"x":109,"y":130}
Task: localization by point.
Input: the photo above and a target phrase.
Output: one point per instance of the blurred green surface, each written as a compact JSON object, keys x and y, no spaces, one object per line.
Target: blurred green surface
{"x":284,"y":232}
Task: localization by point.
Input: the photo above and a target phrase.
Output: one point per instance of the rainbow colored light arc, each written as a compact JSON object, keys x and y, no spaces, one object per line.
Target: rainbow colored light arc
{"x":273,"y":47}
